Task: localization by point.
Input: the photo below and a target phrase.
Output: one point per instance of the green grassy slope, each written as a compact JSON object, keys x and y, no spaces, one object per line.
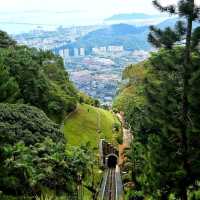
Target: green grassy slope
{"x":89,"y":124}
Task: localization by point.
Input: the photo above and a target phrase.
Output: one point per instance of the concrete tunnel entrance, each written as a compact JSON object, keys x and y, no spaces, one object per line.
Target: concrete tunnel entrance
{"x":112,"y":161}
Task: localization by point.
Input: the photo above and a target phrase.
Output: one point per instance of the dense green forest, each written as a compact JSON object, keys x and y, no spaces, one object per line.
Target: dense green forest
{"x":163,"y":112}
{"x":35,"y":89}
{"x":36,"y":78}
{"x":37,"y":99}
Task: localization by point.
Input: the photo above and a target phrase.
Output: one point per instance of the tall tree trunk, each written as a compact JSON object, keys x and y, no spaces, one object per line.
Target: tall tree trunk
{"x":164,"y":196}
{"x":184,"y":194}
{"x":186,"y":76}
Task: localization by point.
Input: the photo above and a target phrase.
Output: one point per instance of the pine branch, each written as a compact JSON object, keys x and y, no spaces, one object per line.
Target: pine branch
{"x":156,"y":31}
{"x":188,"y":8}
{"x":154,"y":41}
{"x":171,"y":9}
{"x":163,"y":38}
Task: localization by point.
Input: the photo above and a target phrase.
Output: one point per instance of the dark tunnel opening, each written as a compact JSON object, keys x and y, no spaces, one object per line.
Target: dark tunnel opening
{"x":112,"y":161}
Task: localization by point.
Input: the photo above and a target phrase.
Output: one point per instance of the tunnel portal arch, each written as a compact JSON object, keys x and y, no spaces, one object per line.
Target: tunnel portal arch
{"x":111,"y":160}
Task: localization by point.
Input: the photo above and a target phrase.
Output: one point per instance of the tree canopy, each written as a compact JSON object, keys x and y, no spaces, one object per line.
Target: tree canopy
{"x":37,"y":78}
{"x":31,"y":150}
{"x":165,"y":122}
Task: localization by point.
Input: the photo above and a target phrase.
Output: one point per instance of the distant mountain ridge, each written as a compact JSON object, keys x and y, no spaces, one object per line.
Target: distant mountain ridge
{"x":171,"y":22}
{"x":130,"y":16}
{"x":119,"y":29}
{"x":129,"y":36}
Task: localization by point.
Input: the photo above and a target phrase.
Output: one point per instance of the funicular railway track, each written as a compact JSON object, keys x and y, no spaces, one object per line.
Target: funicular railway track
{"x":110,"y":186}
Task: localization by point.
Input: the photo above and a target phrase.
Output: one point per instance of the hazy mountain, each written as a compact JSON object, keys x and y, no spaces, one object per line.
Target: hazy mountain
{"x":167,"y":23}
{"x":130,"y":16}
{"x":131,"y":37}
{"x":171,"y":22}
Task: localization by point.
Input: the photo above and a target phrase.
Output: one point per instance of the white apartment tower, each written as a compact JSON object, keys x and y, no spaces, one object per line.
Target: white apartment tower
{"x":82,"y":51}
{"x":66,"y":53}
{"x":76,"y":52}
{"x":115,"y":48}
{"x":61,"y":53}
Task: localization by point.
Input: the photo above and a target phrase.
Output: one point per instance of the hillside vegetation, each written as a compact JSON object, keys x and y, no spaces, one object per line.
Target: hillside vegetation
{"x":34,"y":77}
{"x":128,"y":93}
{"x":163,"y":112}
{"x":89,"y":124}
{"x":35,"y":159}
{"x":31,"y":149}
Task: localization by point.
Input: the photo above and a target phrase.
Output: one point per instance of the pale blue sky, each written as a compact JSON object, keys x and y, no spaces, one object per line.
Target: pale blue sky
{"x":98,"y":7}
{"x":18,"y":15}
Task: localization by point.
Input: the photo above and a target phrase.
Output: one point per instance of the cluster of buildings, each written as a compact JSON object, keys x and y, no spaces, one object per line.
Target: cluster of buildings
{"x":98,"y":84}
{"x":99,"y":75}
{"x":43,"y":43}
{"x":96,"y":61}
{"x":52,"y":39}
{"x":140,"y":54}
{"x":76,"y":52}
{"x":67,"y":53}
{"x":109,"y":49}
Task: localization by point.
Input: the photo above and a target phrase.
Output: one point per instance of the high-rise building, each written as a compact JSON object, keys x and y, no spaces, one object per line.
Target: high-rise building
{"x":76,"y":52}
{"x":61,"y":53}
{"x":99,"y":50}
{"x":66,"y":53}
{"x":94,"y":50}
{"x":82,"y":51}
{"x":102,"y":49}
{"x":115,"y":48}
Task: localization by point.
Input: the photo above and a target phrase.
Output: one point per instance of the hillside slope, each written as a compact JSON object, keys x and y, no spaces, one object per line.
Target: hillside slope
{"x":89,"y":124}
